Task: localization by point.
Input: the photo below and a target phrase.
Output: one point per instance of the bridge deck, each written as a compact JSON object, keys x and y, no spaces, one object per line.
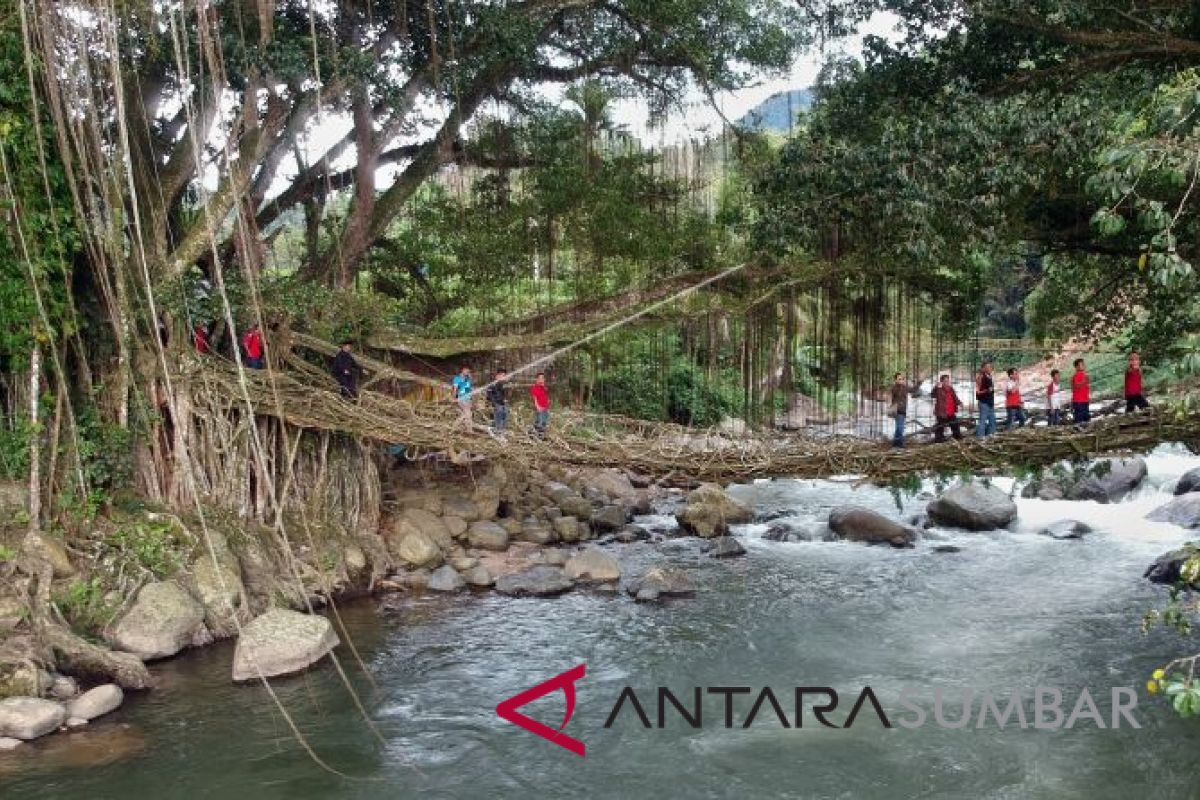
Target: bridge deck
{"x":670,"y":450}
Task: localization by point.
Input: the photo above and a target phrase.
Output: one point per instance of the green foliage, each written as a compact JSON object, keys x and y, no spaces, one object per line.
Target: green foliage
{"x":85,"y":606}
{"x":105,"y":450}
{"x":14,"y":449}
{"x":38,"y":241}
{"x":154,"y":546}
{"x":687,"y":397}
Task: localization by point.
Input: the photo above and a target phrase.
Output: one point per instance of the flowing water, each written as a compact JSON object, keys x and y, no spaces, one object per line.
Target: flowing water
{"x":1008,"y":611}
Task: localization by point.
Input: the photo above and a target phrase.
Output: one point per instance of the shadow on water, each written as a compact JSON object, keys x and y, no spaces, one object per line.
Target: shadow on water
{"x":1008,"y":611}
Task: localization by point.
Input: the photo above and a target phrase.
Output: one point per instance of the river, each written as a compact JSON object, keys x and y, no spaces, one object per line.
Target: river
{"x":1009,"y":610}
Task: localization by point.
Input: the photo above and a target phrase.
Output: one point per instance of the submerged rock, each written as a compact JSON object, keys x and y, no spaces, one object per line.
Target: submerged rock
{"x":96,"y":702}
{"x":860,"y":524}
{"x":726,"y":547}
{"x":1183,"y":511}
{"x":974,"y":507}
{"x":710,"y":511}
{"x":661,"y":582}
{"x":947,"y":548}
{"x":163,"y":620}
{"x":28,"y":718}
{"x":445,"y":579}
{"x":1066,"y":529}
{"x":537,"y":581}
{"x":594,"y":565}
{"x":780,"y":531}
{"x":1189,"y":482}
{"x":281,"y":642}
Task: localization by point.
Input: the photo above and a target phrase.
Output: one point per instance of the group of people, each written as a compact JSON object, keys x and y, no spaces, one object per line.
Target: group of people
{"x":251,"y":343}
{"x":462,"y":390}
{"x":947,"y":405}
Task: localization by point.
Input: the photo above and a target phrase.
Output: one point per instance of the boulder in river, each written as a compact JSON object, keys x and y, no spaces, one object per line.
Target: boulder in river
{"x":726,"y":547}
{"x":538,"y":581}
{"x":860,"y":524}
{"x":710,"y":511}
{"x":1168,"y":568}
{"x":1066,"y":529}
{"x":281,"y":642}
{"x":28,"y":718}
{"x":974,"y":507}
{"x":1105,"y":480}
{"x":782,"y":531}
{"x":1183,"y":511}
{"x":609,"y":518}
{"x":163,"y":620}
{"x":592,"y":564}
{"x":1189,"y":482}
{"x":96,"y":702}
{"x":487,"y":535}
{"x":1121,"y":476}
{"x":445,"y":579}
{"x":661,"y":582}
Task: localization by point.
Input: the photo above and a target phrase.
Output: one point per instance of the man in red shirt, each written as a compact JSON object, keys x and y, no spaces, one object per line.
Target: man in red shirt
{"x":1081,"y":394}
{"x":1134,"y":399}
{"x":945,"y":410}
{"x":200,"y":338}
{"x":541,"y":404}
{"x":252,"y":345}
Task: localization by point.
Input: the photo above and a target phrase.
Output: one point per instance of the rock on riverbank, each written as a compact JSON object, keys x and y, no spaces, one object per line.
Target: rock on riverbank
{"x":281,"y":642}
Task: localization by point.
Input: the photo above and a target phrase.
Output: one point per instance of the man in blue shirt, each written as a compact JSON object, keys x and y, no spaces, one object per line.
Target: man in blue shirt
{"x":461,"y":388}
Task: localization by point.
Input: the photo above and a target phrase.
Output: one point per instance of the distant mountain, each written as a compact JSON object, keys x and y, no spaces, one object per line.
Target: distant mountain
{"x":772,"y":114}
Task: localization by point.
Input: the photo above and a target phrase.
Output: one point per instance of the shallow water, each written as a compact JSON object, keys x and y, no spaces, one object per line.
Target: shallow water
{"x":1009,"y":611}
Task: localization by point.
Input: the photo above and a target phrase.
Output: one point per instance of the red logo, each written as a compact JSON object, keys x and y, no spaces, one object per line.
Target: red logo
{"x":507,"y":709}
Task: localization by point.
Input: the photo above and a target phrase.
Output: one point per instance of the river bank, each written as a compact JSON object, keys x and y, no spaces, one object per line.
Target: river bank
{"x":837,"y":577}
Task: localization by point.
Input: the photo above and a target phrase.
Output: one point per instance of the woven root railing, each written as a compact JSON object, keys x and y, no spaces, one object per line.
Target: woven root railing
{"x":661,"y":449}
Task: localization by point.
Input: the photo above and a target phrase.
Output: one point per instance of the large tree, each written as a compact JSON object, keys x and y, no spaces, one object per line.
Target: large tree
{"x":226,"y":115}
{"x":997,"y":130}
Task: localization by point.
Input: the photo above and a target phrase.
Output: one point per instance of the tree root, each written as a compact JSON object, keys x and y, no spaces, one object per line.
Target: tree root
{"x":92,"y":663}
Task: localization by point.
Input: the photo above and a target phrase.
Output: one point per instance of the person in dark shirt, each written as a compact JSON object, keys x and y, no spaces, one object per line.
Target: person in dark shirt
{"x":345,"y":370}
{"x":945,"y":410}
{"x":497,"y":397}
{"x":899,"y":408}
{"x":985,"y":399}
